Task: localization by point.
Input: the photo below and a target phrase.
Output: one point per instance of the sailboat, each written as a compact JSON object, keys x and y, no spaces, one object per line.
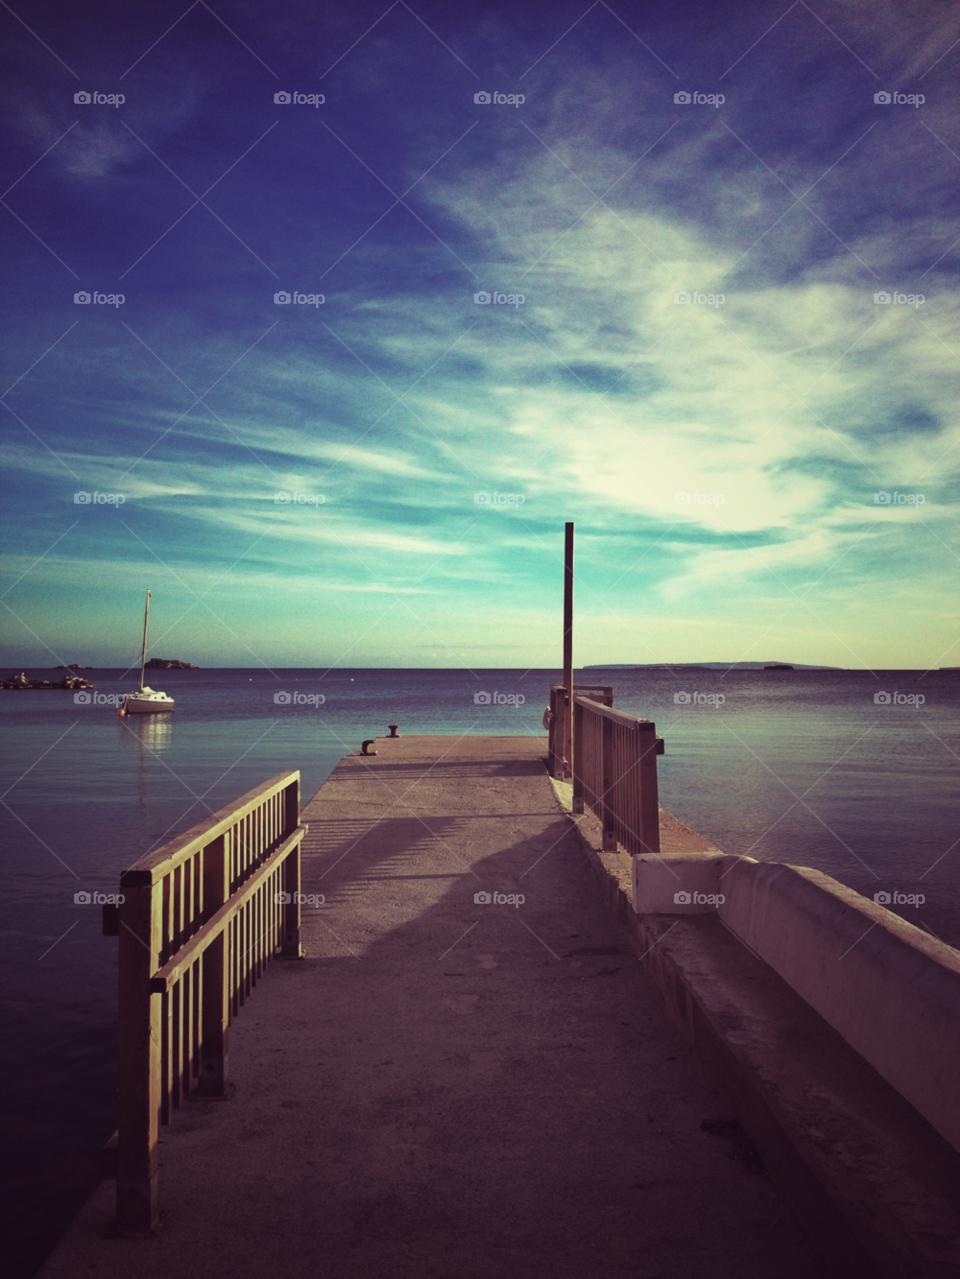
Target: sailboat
{"x":145,"y":700}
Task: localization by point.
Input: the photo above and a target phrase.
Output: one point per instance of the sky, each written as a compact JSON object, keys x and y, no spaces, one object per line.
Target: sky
{"x":687,"y":219}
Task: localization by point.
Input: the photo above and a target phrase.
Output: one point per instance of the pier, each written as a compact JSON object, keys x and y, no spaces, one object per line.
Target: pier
{"x":490,"y":1061}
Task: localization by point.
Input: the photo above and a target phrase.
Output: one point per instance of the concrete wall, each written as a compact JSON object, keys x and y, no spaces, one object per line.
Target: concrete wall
{"x":891,"y":990}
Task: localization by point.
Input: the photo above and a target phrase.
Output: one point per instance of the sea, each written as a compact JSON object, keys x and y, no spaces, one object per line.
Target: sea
{"x":851,"y":772}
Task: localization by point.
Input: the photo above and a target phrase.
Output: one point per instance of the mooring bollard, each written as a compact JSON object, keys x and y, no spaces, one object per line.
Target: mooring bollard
{"x":394,"y":730}
{"x":364,"y":745}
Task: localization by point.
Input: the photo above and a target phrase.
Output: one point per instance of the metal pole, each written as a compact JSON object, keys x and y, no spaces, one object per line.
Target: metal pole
{"x":143,"y":655}
{"x":568,"y":647}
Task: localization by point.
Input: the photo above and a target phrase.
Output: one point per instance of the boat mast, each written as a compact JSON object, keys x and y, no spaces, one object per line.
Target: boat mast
{"x":143,"y":655}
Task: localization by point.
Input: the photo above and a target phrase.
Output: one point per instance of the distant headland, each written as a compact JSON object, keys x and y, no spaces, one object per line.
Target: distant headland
{"x":708,"y":666}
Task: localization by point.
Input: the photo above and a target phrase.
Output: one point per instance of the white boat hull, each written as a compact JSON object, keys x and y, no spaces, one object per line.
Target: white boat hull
{"x":147,"y":703}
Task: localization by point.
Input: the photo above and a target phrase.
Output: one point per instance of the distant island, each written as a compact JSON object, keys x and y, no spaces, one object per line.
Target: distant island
{"x":708,"y":666}
{"x":71,"y":666}
{"x":169,"y":664}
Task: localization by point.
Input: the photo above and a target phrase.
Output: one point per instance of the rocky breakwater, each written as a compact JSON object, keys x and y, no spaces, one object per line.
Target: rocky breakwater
{"x":72,"y":682}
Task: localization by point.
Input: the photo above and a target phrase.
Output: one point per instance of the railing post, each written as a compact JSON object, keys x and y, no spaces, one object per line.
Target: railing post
{"x":649,"y":788}
{"x":138,"y":1092}
{"x":551,"y":734}
{"x":607,"y":783}
{"x":291,"y":947}
{"x":561,"y":772}
{"x":568,"y":726}
{"x":215,"y":981}
{"x":577,"y":758}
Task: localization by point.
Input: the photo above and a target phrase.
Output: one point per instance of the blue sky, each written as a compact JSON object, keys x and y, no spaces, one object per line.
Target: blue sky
{"x":721,"y":459}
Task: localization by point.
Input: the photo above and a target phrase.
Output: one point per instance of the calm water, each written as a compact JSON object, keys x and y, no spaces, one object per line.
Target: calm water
{"x":803,"y":767}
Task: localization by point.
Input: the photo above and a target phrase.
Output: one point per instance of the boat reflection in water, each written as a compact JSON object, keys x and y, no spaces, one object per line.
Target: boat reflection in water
{"x":148,"y":732}
{"x":148,"y":735}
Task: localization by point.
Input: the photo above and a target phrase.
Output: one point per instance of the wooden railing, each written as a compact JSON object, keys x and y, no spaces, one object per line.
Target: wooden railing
{"x":198,"y":921}
{"x":557,"y":765}
{"x":615,"y":775}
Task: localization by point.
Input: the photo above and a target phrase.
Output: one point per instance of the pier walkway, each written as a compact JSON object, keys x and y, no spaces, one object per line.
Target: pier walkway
{"x":450,"y":1086}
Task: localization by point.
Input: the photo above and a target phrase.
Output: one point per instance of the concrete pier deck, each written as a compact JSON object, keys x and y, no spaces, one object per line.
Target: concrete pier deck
{"x":453,"y":1087}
